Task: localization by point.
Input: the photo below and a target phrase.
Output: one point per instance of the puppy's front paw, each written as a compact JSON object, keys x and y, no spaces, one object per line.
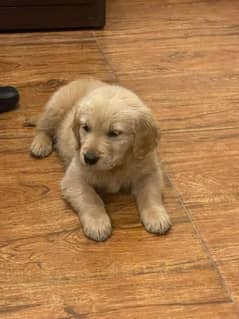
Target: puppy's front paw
{"x":41,"y":145}
{"x":156,"y":220}
{"x":96,"y":227}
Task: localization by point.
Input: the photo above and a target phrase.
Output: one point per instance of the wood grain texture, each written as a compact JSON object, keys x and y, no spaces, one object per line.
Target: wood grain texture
{"x":182,"y":37}
{"x":218,"y":226}
{"x":205,"y":172}
{"x":203,"y":164}
{"x":14,"y":39}
{"x":181,"y":57}
{"x":46,"y":260}
{"x":170,"y":19}
{"x":194,"y":102}
{"x":41,"y":63}
{"x":178,"y":56}
{"x":213,"y":311}
{"x":32,"y":63}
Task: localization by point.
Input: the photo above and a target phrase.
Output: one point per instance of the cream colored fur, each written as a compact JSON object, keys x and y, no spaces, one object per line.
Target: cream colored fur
{"x":116,"y":126}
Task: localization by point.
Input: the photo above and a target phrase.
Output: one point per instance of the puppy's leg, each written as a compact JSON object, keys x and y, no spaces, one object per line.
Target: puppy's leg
{"x":55,"y":110}
{"x":41,"y":145}
{"x":149,"y":200}
{"x":88,"y":204}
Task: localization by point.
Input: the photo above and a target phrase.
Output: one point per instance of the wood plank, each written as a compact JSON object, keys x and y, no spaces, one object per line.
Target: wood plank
{"x":218,"y":226}
{"x":205,"y":171}
{"x":171,"y":57}
{"x":190,"y":102}
{"x":185,"y":72}
{"x":38,"y":72}
{"x":182,"y":38}
{"x":45,"y":258}
{"x":15,"y":39}
{"x":212,"y":311}
{"x":203,"y":165}
{"x":169,"y":19}
{"x":230,"y":272}
{"x":50,"y":254}
{"x":63,"y":265}
{"x":97,"y":293}
{"x":29,"y":64}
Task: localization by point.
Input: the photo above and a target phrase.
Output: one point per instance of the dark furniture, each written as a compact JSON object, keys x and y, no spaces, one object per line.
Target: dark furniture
{"x":51,"y":14}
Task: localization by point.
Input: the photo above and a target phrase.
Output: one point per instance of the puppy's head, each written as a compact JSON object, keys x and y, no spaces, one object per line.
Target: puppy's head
{"x":112,"y":124}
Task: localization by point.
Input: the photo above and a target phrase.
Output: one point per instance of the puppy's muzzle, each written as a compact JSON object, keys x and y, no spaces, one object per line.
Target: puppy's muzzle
{"x":91,"y":158}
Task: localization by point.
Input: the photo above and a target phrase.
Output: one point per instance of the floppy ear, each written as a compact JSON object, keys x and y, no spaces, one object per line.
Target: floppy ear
{"x":146,"y":134}
{"x":76,"y":129}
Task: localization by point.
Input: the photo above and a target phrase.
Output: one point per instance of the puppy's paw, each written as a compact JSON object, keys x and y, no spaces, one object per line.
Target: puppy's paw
{"x":97,"y":227}
{"x":156,"y":220}
{"x":41,"y":145}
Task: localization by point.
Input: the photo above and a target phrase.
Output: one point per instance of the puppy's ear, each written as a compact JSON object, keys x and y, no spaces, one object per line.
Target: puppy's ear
{"x":76,"y":128}
{"x":146,"y":134}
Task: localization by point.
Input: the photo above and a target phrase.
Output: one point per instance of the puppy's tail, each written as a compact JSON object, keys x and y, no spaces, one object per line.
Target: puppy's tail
{"x":32,"y":121}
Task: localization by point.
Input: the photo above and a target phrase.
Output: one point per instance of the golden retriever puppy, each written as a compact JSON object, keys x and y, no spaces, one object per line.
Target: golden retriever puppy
{"x":107,"y":138}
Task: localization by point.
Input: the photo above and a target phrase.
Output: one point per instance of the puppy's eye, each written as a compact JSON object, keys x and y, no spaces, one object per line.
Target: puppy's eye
{"x":86,"y":128}
{"x":113,"y":134}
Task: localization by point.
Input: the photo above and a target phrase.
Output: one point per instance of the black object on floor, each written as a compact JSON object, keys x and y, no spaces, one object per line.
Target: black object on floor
{"x":9,"y":98}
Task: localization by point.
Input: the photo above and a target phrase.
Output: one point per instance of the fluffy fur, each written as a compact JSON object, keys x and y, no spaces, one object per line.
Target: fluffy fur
{"x":92,"y":121}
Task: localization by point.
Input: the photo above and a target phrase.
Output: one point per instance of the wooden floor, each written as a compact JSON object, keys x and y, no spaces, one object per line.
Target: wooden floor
{"x":182,"y":58}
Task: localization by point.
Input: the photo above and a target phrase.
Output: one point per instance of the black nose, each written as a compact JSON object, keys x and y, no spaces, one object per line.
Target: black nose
{"x":90,"y":158}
